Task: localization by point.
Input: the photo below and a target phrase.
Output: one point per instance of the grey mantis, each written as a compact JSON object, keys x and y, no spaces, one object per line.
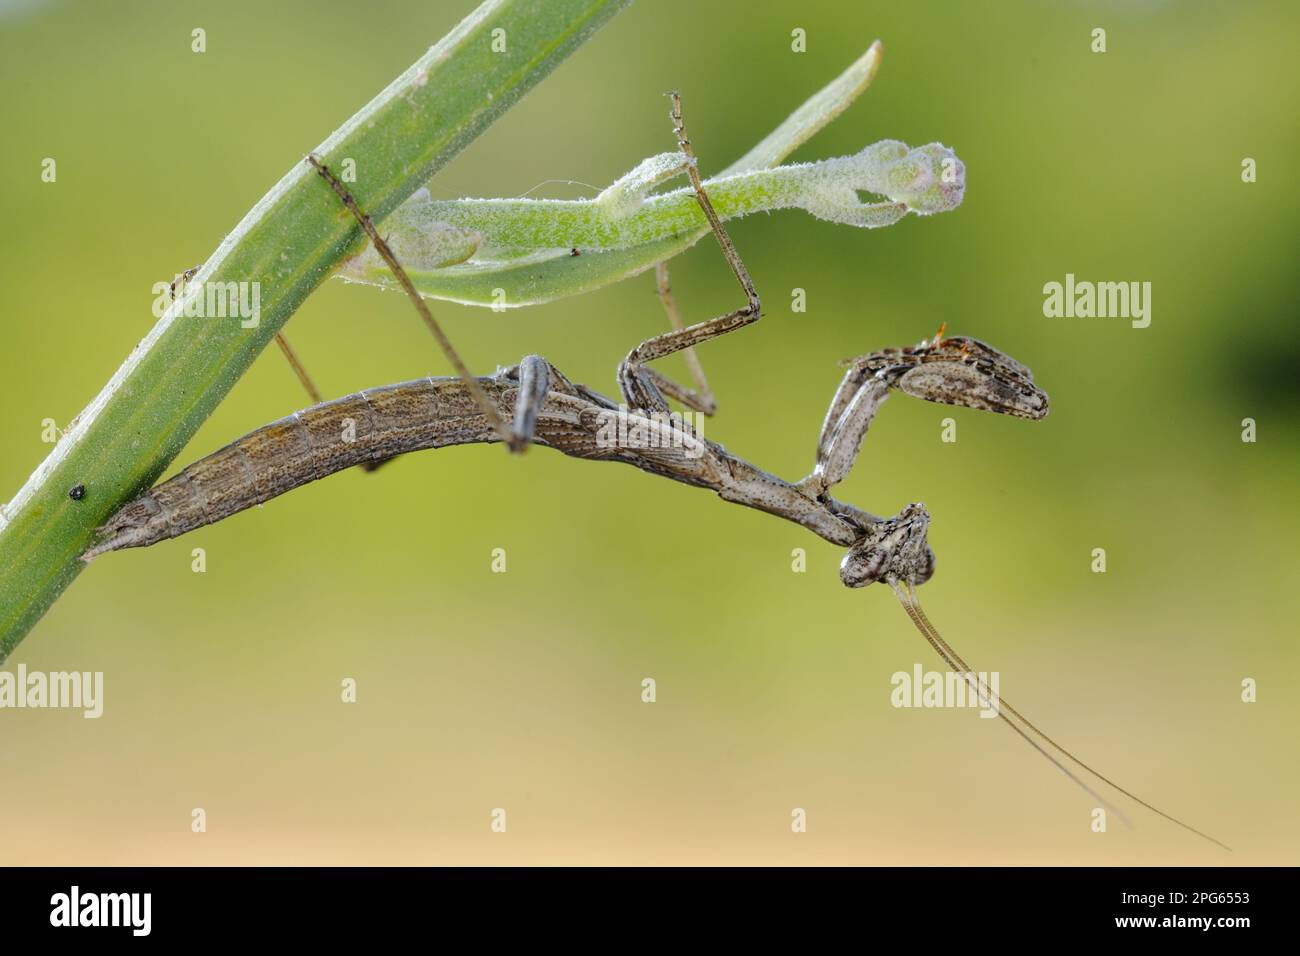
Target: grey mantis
{"x":546,"y":408}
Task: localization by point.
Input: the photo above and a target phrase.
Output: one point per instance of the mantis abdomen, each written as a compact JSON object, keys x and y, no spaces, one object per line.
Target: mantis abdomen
{"x":319,"y":441}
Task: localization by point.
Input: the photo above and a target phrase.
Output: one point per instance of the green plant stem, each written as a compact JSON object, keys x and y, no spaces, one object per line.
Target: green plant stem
{"x":288,"y":242}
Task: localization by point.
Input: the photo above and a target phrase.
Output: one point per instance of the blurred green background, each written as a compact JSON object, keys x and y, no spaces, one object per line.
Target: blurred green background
{"x":522,"y":690}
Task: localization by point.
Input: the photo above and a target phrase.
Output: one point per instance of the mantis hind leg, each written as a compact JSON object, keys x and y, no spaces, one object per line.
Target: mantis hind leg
{"x":381,"y":246}
{"x":645,"y":389}
{"x":299,"y":370}
{"x":700,"y":398}
{"x":313,"y":392}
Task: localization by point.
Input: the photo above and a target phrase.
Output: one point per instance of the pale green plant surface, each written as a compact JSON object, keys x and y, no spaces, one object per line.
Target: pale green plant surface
{"x":434,"y":238}
{"x":554,"y":273}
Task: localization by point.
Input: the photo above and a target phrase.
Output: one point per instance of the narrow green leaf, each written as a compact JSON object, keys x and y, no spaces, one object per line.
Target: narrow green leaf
{"x":544,"y":276}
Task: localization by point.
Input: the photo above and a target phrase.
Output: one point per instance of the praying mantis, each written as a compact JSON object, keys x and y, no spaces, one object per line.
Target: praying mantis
{"x":534,"y":403}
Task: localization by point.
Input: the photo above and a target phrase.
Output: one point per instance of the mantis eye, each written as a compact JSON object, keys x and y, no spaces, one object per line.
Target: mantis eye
{"x":860,"y":568}
{"x":956,"y":383}
{"x":893,"y":550}
{"x":926,"y":571}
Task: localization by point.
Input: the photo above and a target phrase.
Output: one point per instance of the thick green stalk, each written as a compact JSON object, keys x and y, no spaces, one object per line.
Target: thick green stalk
{"x":288,"y":244}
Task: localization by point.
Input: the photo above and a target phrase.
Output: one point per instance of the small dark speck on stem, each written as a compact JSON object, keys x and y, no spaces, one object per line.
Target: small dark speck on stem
{"x":78,"y":492}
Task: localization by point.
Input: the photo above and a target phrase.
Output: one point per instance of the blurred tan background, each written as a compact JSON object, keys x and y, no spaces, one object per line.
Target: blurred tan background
{"x":522,"y":690}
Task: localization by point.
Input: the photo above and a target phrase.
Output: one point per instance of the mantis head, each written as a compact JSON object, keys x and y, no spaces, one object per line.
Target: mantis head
{"x":892,"y":550}
{"x":961,"y":371}
{"x":951,"y":371}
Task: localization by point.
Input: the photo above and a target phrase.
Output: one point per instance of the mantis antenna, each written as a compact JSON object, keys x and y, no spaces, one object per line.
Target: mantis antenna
{"x":950,"y":371}
{"x":912,"y":606}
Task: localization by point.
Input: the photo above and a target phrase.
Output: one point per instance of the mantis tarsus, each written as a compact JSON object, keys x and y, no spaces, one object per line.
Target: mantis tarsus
{"x":545,"y":408}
